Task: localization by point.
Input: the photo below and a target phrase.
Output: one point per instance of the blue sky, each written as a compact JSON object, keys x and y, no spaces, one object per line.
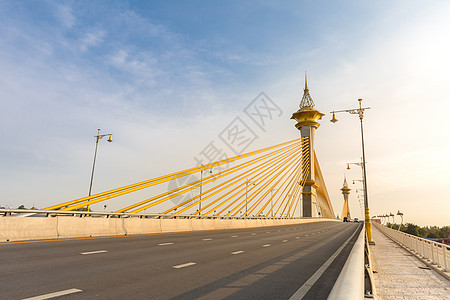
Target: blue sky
{"x":167,"y":76}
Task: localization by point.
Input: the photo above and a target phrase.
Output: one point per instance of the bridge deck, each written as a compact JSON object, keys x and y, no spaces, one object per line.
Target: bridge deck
{"x":401,"y":275}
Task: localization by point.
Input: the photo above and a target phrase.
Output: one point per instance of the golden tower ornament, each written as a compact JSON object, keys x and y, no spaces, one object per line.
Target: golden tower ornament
{"x":345,"y":209}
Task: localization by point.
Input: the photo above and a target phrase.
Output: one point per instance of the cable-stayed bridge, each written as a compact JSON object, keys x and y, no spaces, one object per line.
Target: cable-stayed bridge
{"x":266,"y":182}
{"x":259,"y":225}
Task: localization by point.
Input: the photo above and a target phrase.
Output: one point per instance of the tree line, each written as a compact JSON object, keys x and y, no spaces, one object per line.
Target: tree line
{"x":423,"y":232}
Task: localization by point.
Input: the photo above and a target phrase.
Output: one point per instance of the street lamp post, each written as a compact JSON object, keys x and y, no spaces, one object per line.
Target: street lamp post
{"x":360,"y":112}
{"x":201,"y":185}
{"x":401,"y":215}
{"x":271,"y":201}
{"x":393,"y":219}
{"x":98,"y":137}
{"x":246,"y":185}
{"x":200,"y":195}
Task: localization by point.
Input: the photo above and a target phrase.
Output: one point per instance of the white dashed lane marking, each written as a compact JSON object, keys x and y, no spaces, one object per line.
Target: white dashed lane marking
{"x":284,"y":241}
{"x":165,"y":244}
{"x":266,"y":245}
{"x":94,"y":252}
{"x":55,"y":294}
{"x":184,"y":265}
{"x":234,"y":236}
{"x":237,"y":252}
{"x":207,"y":240}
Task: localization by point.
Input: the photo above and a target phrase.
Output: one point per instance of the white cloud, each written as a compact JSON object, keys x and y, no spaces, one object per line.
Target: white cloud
{"x":65,"y":15}
{"x":92,"y":39}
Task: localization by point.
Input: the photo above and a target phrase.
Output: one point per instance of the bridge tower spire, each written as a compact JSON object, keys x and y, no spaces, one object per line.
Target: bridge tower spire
{"x":345,"y":191}
{"x":307,"y":122}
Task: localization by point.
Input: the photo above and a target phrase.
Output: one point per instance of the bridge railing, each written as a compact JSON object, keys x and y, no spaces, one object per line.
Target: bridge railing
{"x":437,"y":253}
{"x":52,"y":213}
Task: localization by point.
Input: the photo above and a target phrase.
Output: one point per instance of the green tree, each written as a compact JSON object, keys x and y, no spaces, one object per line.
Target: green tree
{"x":411,"y":229}
{"x":22,"y":207}
{"x":432,"y":235}
{"x":422,"y":232}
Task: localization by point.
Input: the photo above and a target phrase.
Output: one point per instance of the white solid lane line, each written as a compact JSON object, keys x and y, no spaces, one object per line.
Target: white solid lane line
{"x":207,"y":240}
{"x":94,"y":252}
{"x":54,"y":295}
{"x":266,"y":245}
{"x":165,"y":244}
{"x":184,"y":265}
{"x":237,"y":252}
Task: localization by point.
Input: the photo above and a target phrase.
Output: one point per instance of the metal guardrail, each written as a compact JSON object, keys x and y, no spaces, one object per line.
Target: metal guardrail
{"x":350,"y":283}
{"x":53,"y":213}
{"x":355,"y":280}
{"x":438,"y":253}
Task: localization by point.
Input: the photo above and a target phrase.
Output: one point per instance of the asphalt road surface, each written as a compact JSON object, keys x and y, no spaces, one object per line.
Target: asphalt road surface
{"x":260,"y":263}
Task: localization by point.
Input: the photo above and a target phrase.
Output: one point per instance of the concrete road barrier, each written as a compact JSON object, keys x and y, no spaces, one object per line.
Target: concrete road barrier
{"x":175,"y":225}
{"x":19,"y":229}
{"x":29,"y":228}
{"x":69,"y":227}
{"x":141,"y":226}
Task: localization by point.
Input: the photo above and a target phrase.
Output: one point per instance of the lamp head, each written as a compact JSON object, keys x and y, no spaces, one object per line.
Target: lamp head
{"x":348,"y":168}
{"x":333,"y":119}
{"x":110,"y":138}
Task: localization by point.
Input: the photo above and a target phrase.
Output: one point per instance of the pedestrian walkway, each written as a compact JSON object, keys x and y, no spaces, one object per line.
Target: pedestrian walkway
{"x":400,"y":275}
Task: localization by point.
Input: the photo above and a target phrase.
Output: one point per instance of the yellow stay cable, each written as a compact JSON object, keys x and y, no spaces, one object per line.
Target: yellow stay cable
{"x":290,"y":171}
{"x":272,"y":196}
{"x":260,"y":174}
{"x":137,"y":186}
{"x":204,"y":181}
{"x":185,"y":188}
{"x":254,"y":195}
{"x":237,"y":178}
{"x":304,"y":168}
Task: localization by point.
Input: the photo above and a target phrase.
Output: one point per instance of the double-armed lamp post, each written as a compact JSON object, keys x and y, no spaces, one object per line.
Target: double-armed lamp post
{"x":360,"y":112}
